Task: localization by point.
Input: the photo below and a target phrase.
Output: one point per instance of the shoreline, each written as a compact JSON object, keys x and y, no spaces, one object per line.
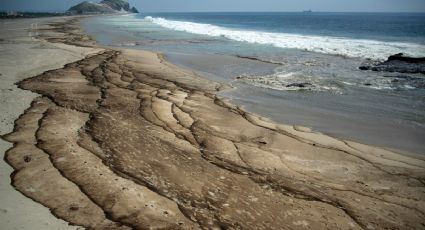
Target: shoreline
{"x":340,"y":100}
{"x":289,"y":109}
{"x":214,"y":165}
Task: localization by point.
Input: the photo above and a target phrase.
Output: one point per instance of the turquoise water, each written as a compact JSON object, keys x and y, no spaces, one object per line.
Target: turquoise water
{"x":260,"y":54}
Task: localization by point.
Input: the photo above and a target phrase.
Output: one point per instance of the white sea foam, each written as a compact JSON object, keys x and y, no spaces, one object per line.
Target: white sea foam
{"x":292,"y":81}
{"x":362,"y":48}
{"x":298,"y":81}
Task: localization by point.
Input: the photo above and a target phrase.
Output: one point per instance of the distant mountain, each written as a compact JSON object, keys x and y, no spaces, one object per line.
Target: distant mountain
{"x":117,"y":4}
{"x":90,"y":7}
{"x":105,"y":6}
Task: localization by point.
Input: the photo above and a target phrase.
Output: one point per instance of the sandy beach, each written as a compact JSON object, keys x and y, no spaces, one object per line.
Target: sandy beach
{"x":121,"y":139}
{"x":22,"y":56}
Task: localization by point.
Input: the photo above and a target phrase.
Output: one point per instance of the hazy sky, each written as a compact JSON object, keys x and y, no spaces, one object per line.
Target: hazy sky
{"x":234,"y":5}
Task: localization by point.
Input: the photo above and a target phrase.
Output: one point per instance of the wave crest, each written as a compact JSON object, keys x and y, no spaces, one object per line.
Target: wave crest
{"x":361,"y":48}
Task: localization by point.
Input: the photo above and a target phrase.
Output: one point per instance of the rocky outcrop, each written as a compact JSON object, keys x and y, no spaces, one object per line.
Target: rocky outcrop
{"x":90,"y":7}
{"x":106,"y":6}
{"x":117,"y":4}
{"x":134,"y":10}
{"x":401,"y":57}
{"x":398,"y":63}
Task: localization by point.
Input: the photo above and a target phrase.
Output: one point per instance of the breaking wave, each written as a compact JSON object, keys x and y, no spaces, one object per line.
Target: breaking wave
{"x":362,"y":48}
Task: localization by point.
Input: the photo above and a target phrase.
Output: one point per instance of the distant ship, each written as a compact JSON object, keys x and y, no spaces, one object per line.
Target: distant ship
{"x":307,"y":11}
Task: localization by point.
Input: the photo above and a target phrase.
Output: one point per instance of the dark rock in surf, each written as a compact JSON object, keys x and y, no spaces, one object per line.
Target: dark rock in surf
{"x":401,"y":57}
{"x":299,"y":85}
{"x":398,"y":63}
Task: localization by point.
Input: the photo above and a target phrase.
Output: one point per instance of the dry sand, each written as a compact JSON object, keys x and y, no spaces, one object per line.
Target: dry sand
{"x":22,"y":55}
{"x":128,"y":140}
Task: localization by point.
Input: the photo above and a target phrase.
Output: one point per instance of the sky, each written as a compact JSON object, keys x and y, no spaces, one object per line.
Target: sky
{"x":233,"y":5}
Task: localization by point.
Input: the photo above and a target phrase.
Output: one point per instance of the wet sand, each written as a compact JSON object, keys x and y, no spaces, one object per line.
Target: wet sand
{"x":128,"y":140}
{"x":358,"y":114}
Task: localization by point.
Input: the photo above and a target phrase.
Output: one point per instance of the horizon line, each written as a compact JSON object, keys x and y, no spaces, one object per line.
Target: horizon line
{"x":230,"y":11}
{"x":300,"y":11}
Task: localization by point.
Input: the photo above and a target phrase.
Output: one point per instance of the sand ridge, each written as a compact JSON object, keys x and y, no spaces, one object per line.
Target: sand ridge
{"x":154,"y":147}
{"x":23,"y":55}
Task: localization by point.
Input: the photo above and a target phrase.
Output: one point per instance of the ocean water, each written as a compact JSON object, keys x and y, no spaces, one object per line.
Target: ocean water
{"x":265,"y":55}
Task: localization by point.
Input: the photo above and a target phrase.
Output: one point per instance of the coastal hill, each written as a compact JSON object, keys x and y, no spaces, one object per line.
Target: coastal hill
{"x":105,"y":6}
